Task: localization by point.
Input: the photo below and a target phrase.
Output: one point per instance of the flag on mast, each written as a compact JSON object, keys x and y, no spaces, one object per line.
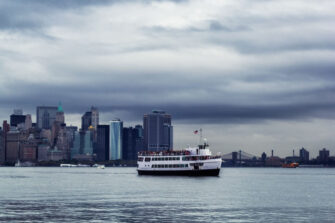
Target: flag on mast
{"x":196,"y":132}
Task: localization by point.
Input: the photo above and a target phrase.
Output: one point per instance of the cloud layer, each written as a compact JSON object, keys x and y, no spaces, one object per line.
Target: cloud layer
{"x":206,"y":62}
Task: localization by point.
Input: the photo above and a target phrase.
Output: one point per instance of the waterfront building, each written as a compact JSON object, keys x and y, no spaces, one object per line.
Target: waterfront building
{"x":158,"y":131}
{"x":62,"y":142}
{"x":5,"y":130}
{"x":102,"y":145}
{"x":2,"y":147}
{"x":115,"y":140}
{"x":12,"y":146}
{"x":45,"y":116}
{"x":303,"y":155}
{"x":130,"y":143}
{"x":42,"y":152}
{"x":323,"y":156}
{"x":75,"y":149}
{"x":55,"y":154}
{"x":263,"y":157}
{"x":70,"y":132}
{"x":82,"y":146}
{"x":28,"y":149}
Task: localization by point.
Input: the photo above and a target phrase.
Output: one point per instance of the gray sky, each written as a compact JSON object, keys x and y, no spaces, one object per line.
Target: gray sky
{"x":255,"y":75}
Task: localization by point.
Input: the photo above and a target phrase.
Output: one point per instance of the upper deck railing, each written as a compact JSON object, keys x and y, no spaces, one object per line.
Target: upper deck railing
{"x":165,"y":153}
{"x":175,"y":153}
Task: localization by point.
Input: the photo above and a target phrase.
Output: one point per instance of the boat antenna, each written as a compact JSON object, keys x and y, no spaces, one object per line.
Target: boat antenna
{"x":200,"y":139}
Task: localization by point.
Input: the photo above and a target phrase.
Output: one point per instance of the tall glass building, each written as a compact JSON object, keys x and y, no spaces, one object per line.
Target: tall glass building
{"x":115,"y":139}
{"x":158,"y":131}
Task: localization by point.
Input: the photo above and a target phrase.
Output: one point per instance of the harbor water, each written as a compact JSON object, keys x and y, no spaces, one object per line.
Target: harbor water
{"x":41,"y":194}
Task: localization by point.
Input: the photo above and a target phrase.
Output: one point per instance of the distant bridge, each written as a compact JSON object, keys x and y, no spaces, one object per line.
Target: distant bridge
{"x":239,"y":156}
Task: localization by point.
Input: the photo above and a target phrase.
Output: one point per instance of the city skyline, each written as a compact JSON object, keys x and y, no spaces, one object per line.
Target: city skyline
{"x":252,"y":77}
{"x":195,"y":137}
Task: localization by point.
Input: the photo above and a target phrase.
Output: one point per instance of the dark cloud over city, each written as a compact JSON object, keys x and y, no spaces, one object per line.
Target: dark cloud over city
{"x":254,"y":63}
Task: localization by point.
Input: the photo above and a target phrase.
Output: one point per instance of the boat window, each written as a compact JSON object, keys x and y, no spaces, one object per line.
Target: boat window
{"x":170,"y":165}
{"x":166,"y":158}
{"x":186,"y":165}
{"x":140,"y":159}
{"x":166,"y":166}
{"x":147,"y":159}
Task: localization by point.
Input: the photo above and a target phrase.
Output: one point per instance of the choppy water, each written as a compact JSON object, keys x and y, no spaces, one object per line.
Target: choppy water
{"x":120,"y":195}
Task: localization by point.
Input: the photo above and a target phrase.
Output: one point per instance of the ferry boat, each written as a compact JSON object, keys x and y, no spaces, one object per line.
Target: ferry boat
{"x":197,"y":161}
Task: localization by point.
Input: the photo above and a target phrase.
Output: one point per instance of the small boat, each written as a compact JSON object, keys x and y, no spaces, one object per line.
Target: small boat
{"x":101,"y":166}
{"x":68,"y":165}
{"x":290,"y":165}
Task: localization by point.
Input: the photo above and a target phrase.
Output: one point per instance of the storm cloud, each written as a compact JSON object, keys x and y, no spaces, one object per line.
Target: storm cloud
{"x":205,"y":62}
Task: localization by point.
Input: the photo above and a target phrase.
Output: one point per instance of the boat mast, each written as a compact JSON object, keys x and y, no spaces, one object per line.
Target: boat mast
{"x":200,"y":136}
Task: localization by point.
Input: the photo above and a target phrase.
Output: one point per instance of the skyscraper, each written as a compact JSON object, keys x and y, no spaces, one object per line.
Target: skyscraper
{"x":323,"y":156}
{"x":90,"y":118}
{"x":102,"y":146}
{"x":158,"y":131}
{"x":17,"y":117}
{"x":132,"y":142}
{"x":95,"y":117}
{"x":82,"y":148}
{"x":115,"y":140}
{"x":86,"y":120}
{"x":60,"y":114}
{"x":45,"y":116}
{"x":303,"y":155}
{"x":2,"y":147}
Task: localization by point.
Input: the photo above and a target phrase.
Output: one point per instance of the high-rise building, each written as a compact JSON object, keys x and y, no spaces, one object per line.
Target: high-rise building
{"x":158,"y":131}
{"x":140,"y":130}
{"x":15,"y":120}
{"x":303,"y":155}
{"x":90,"y":118}
{"x":128,"y":143}
{"x":323,"y":156}
{"x":82,"y":146}
{"x":60,"y":114}
{"x":86,"y":120}
{"x":2,"y":147}
{"x":28,"y":149}
{"x":5,"y":130}
{"x":12,"y":146}
{"x":115,"y":140}
{"x":70,"y":133}
{"x":102,"y":145}
{"x":95,"y":117}
{"x":132,"y":143}
{"x":45,"y":116}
